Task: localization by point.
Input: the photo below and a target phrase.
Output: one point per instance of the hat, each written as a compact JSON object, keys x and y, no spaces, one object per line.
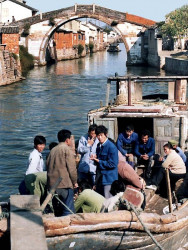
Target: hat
{"x":173,"y":143}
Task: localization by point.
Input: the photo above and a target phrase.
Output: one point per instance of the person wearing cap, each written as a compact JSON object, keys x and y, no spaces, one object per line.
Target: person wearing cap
{"x":178,"y":150}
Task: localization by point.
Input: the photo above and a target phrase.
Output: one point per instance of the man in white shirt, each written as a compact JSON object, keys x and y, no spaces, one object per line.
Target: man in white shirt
{"x":35,"y":162}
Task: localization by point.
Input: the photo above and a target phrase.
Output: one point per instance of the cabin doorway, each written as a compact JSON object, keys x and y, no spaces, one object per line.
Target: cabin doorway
{"x":139,"y":124}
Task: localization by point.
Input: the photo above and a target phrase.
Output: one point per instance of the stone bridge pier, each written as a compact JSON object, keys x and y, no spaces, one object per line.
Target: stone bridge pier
{"x":128,"y":26}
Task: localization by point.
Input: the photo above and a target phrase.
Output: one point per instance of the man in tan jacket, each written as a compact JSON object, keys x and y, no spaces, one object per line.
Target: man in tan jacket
{"x":61,"y":163}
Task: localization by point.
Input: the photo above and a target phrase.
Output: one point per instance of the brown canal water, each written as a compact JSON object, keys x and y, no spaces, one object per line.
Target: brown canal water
{"x":52,"y":98}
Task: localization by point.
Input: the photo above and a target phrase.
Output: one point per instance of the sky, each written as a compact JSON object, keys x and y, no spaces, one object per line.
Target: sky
{"x":151,"y":9}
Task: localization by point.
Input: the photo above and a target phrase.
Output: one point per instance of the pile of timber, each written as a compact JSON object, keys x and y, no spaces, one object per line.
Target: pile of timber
{"x":119,"y":220}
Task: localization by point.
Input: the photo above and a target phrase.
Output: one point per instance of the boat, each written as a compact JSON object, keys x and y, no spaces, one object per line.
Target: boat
{"x":114,"y":47}
{"x":165,"y":115}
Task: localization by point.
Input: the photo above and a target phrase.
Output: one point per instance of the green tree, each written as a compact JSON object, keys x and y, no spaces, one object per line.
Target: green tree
{"x":176,"y":24}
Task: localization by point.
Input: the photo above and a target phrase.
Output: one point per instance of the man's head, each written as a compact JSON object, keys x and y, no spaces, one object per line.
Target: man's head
{"x":64,"y":135}
{"x":52,"y":145}
{"x":39,"y":143}
{"x":101,"y":132}
{"x":167,"y":148}
{"x":117,"y":187}
{"x":83,"y":184}
{"x":92,"y":131}
{"x":145,"y":136}
{"x":129,"y":130}
{"x":174,"y":143}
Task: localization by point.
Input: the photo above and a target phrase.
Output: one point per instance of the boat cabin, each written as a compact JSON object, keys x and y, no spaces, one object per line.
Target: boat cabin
{"x":165,"y":115}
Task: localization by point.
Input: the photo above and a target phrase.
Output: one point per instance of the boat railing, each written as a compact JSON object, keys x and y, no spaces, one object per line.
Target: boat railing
{"x":132,"y":85}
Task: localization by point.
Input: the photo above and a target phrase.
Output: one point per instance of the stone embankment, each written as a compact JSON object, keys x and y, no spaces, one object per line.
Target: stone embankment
{"x":178,"y":63}
{"x":10,"y":70}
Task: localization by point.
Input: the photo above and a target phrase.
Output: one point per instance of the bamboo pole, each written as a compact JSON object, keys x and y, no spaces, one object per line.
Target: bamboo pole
{"x":169,"y":191}
{"x":52,"y":191}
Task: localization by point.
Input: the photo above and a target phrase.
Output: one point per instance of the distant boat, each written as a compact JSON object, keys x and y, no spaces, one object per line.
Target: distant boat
{"x":114,"y":47}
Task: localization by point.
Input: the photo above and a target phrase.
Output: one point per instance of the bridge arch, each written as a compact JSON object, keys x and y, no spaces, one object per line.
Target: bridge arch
{"x":128,"y":26}
{"x":48,"y":35}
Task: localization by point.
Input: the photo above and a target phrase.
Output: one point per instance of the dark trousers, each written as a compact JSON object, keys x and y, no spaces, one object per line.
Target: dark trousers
{"x":66,"y":196}
{"x":157,"y":178}
{"x":147,"y":164}
{"x":87,"y":176}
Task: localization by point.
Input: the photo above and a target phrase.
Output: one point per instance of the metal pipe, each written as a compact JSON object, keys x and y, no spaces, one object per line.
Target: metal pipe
{"x":129,"y":91}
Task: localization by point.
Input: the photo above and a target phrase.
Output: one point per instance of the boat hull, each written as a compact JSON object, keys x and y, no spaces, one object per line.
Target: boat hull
{"x":119,"y":240}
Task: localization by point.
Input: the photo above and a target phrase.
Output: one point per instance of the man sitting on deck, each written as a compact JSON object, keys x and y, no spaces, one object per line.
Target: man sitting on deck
{"x":174,"y":163}
{"x":126,"y":144}
{"x":88,"y":201}
{"x":144,"y":150}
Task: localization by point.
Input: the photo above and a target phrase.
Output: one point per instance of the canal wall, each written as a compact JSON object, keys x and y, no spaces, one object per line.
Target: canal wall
{"x":178,"y":66}
{"x":10,"y":70}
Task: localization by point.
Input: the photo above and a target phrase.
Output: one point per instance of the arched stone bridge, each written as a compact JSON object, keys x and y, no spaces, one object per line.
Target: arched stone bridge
{"x":128,"y":26}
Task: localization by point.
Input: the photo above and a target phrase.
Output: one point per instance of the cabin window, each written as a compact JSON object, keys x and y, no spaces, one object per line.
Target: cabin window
{"x":138,"y":123}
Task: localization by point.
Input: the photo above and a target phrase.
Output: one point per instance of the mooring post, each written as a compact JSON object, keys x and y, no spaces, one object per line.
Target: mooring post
{"x":129,"y":91}
{"x":180,"y":91}
{"x":75,"y":7}
{"x":93,"y":8}
{"x":108,"y":92}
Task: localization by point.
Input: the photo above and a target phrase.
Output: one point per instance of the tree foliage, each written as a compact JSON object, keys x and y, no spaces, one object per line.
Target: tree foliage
{"x":176,"y":24}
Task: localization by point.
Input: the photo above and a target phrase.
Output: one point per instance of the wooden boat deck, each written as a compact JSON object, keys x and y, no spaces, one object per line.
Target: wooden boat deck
{"x":156,"y":204}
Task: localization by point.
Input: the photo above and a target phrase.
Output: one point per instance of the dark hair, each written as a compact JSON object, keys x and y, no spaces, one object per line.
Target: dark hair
{"x":92,"y":127}
{"x":145,"y":132}
{"x":39,"y":139}
{"x":129,"y":128}
{"x":63,"y":135}
{"x":168,"y":145}
{"x":116,"y":187}
{"x":101,"y":129}
{"x":52,"y":145}
{"x":84,"y":184}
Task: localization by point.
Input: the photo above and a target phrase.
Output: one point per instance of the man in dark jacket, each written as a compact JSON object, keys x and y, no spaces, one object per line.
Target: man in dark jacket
{"x":144,"y":150}
{"x":106,"y":160}
{"x":61,"y":163}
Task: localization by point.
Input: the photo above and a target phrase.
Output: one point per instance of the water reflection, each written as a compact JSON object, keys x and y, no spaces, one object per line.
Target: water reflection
{"x":51,"y":98}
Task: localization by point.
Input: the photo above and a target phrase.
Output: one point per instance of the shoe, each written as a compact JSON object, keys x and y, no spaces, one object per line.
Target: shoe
{"x":153,"y":187}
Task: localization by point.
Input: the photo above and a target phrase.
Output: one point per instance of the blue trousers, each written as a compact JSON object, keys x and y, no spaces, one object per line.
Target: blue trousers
{"x":66,"y":196}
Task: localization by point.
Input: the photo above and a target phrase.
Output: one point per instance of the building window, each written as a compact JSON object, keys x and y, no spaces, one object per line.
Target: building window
{"x":79,"y":37}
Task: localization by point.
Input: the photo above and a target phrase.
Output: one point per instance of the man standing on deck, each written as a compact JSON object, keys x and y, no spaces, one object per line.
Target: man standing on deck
{"x":61,"y":163}
{"x":106,"y":160}
{"x":87,"y":147}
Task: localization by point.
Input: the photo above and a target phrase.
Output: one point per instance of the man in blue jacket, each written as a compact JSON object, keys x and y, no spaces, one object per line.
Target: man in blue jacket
{"x":126,"y":143}
{"x":144,"y":150}
{"x":107,"y":161}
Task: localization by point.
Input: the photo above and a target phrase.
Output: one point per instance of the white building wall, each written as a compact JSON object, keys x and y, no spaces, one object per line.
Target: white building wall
{"x":87,"y":32}
{"x":9,"y":9}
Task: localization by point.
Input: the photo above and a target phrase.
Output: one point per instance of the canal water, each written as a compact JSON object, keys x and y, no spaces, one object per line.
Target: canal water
{"x":52,"y":98}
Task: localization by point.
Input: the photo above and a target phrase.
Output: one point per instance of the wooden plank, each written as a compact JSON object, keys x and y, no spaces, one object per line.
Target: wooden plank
{"x":26,"y":225}
{"x":151,"y":109}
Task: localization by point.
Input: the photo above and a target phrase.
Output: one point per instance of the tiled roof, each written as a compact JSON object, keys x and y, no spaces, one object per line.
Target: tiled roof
{"x":9,"y":29}
{"x":22,"y":4}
